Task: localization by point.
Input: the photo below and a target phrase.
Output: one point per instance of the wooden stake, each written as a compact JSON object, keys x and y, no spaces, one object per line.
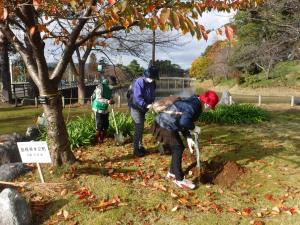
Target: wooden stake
{"x":40,"y":172}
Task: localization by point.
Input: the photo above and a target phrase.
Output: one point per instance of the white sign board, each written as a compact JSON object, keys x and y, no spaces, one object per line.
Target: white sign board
{"x":99,"y":68}
{"x":34,"y":152}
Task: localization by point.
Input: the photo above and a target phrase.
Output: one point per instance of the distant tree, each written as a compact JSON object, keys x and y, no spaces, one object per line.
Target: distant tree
{"x":4,"y":68}
{"x":212,"y":61}
{"x":168,"y":69}
{"x":267,"y":35}
{"x":199,"y":67}
{"x":134,"y":69}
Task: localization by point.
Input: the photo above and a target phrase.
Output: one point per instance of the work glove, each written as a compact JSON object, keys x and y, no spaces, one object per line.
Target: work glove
{"x":149,"y":106}
{"x":197,"y":130}
{"x":111,"y":101}
{"x":191,"y":144}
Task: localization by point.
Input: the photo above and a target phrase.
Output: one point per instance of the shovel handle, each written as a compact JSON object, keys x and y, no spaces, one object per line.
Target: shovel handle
{"x":197,"y":150}
{"x":114,"y":119}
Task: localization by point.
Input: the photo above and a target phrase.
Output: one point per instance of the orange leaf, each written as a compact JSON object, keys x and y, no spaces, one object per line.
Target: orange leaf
{"x":269,"y":197}
{"x":3,"y":13}
{"x":216,"y":207}
{"x":164,"y":15}
{"x":246,"y":211}
{"x":36,"y":4}
{"x":175,"y":20}
{"x":229,"y":32}
{"x":183,"y":200}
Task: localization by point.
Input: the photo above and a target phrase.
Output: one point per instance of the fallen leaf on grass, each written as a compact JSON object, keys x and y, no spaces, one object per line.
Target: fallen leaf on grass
{"x":175,"y":208}
{"x":276,"y":209}
{"x":233,"y":210}
{"x":216,"y":208}
{"x":105,"y":205}
{"x":259,"y":214}
{"x":73,"y":223}
{"x":161,"y":207}
{"x":83,"y":193}
{"x":269,"y":197}
{"x":246,"y":211}
{"x":65,"y":214}
{"x":183,"y":200}
{"x":159,"y":186}
{"x":64,"y":192}
{"x":257,"y":222}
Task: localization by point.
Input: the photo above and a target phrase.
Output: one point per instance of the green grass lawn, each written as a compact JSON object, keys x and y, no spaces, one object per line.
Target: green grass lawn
{"x":270,"y":153}
{"x":17,"y":119}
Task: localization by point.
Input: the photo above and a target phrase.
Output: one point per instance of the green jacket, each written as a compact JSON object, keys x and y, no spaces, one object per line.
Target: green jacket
{"x":101,"y":96}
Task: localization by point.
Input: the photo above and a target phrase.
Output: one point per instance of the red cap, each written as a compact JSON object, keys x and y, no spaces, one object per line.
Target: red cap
{"x":210,"y":98}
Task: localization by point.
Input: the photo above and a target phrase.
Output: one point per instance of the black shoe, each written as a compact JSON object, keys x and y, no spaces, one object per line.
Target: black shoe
{"x":145,"y":151}
{"x":138,"y":153}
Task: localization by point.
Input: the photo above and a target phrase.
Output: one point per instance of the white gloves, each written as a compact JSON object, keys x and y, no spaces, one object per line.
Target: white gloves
{"x":197,"y":130}
{"x":191,"y":144}
{"x":149,"y":106}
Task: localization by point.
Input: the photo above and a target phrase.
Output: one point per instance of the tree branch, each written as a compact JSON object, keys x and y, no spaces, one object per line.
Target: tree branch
{"x":70,"y":48}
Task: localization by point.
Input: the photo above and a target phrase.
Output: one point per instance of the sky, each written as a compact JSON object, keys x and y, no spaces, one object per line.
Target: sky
{"x":193,"y":48}
{"x":190,"y":48}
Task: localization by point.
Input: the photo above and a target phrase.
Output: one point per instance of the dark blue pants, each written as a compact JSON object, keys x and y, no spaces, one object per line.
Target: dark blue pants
{"x":102,"y":121}
{"x":176,"y":161}
{"x":139,"y":120}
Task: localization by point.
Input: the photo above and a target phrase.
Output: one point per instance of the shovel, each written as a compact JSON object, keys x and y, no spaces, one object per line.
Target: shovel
{"x":119,"y":138}
{"x":197,"y":172}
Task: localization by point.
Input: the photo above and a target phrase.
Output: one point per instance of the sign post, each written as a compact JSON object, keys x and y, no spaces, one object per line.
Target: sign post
{"x":35,"y":152}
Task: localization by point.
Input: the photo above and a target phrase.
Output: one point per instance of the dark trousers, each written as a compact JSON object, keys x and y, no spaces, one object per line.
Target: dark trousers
{"x":176,"y":160}
{"x":139,"y":120}
{"x":102,"y":121}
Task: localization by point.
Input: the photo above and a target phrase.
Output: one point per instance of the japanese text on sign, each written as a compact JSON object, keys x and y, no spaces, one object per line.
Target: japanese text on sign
{"x":34,"y":152}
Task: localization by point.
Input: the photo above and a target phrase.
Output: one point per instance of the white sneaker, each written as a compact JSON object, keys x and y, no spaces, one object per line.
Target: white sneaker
{"x":170,"y":175}
{"x":186,"y":184}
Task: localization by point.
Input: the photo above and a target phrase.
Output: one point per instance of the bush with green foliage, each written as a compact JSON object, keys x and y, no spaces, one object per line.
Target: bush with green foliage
{"x":235,"y":114}
{"x":124,"y":123}
{"x":82,"y":129}
{"x":150,"y":116}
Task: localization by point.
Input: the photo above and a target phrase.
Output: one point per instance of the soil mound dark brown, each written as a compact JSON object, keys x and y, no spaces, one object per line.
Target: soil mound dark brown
{"x":224,"y":174}
{"x":229,"y":175}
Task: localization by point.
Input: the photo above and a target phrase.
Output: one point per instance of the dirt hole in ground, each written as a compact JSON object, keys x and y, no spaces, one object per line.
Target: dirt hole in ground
{"x":224,"y":174}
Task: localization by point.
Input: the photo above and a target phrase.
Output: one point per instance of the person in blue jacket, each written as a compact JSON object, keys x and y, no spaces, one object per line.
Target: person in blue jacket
{"x":180,"y":117}
{"x":142,"y":98}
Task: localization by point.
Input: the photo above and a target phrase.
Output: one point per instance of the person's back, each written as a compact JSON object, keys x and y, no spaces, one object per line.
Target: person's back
{"x":180,"y":115}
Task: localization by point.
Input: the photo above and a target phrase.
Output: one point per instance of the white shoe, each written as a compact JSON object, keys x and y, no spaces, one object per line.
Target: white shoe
{"x":170,"y":175}
{"x":186,"y":184}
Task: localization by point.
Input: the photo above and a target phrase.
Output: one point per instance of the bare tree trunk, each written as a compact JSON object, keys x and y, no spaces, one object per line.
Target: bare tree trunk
{"x":79,"y":76}
{"x":81,"y":84}
{"x":4,"y":69}
{"x":57,"y":133}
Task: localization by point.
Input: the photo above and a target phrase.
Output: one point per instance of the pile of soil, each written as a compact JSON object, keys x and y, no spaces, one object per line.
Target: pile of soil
{"x":224,"y":174}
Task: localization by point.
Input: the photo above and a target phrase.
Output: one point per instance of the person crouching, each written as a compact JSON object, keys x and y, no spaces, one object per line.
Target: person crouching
{"x":180,"y":117}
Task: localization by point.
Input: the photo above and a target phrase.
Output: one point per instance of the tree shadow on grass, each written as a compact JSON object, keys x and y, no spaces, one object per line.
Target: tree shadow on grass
{"x":257,"y":142}
{"x":102,"y":171}
{"x":50,"y":210}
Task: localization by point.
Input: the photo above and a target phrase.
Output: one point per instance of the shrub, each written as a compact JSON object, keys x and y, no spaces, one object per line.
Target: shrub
{"x":124,"y":123}
{"x":82,"y":129}
{"x":150,"y":116}
{"x":235,"y":114}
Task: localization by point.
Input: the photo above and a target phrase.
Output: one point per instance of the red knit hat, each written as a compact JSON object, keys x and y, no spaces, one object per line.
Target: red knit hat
{"x":210,"y":98}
